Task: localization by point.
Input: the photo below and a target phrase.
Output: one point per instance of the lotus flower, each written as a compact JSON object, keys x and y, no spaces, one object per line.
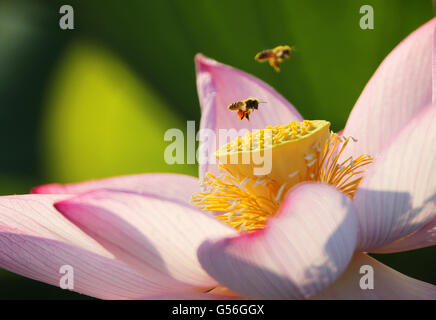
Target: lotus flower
{"x":162,"y":236}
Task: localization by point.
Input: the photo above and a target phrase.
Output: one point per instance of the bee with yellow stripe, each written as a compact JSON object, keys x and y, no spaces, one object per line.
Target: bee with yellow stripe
{"x":245,"y":107}
{"x":274,"y":56}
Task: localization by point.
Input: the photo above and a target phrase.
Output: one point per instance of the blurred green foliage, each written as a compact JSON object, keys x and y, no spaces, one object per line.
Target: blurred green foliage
{"x":95,"y":101}
{"x":101,"y":120}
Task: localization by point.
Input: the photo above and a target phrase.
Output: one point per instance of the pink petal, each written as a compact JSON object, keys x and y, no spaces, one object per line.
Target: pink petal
{"x":174,"y":186}
{"x":388,"y":283}
{"x":157,"y":237}
{"x":299,"y":253}
{"x":220,"y":85}
{"x":35,"y":241}
{"x":399,"y":89}
{"x":190,"y":296}
{"x":424,"y":237}
{"x":433,"y":67}
{"x":397,"y":195}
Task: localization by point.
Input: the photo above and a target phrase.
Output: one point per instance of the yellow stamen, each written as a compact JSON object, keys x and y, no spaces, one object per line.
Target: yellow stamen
{"x":345,"y":175}
{"x":245,"y":200}
{"x":244,"y":211}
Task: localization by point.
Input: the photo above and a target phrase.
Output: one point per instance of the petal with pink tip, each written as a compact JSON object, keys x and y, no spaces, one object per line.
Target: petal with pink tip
{"x":388,"y":283}
{"x":398,"y":194}
{"x":220,"y":85}
{"x":399,"y":89}
{"x":299,"y":253}
{"x":157,"y":237}
{"x":174,"y":186}
{"x":36,"y":241}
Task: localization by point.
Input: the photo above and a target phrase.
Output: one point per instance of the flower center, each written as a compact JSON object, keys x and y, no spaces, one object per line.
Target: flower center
{"x":298,"y":152}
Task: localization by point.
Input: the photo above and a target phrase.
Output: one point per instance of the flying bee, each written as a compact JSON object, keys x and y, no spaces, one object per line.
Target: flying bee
{"x":274,"y":56}
{"x":245,"y":107}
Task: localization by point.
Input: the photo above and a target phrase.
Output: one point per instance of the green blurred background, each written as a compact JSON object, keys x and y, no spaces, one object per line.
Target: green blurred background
{"x":95,"y":101}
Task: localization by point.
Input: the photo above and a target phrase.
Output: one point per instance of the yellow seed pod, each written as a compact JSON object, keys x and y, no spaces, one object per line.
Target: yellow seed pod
{"x":277,"y":155}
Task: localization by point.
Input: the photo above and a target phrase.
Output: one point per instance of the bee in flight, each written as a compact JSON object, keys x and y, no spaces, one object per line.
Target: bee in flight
{"x":274,"y":56}
{"x":245,"y":107}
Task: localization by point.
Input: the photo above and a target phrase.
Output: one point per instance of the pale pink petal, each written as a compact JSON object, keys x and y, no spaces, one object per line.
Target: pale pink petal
{"x":398,"y":194}
{"x":174,"y":186}
{"x":157,"y":237}
{"x":36,"y":241}
{"x":299,"y":253}
{"x":388,"y":283}
{"x":424,"y":237}
{"x":220,"y":85}
{"x":399,"y":89}
{"x":190,"y":296}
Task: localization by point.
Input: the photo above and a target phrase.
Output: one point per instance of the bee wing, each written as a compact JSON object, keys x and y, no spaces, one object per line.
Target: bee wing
{"x":264,"y":55}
